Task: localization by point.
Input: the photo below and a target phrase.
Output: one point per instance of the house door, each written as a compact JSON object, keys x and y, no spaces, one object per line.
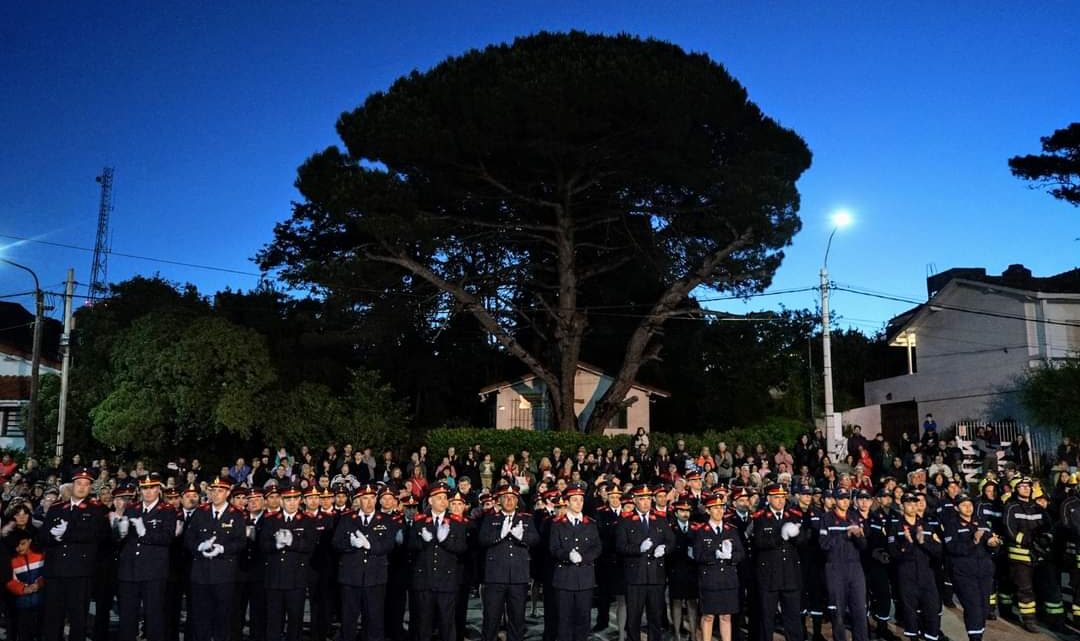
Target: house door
{"x":898,"y":418}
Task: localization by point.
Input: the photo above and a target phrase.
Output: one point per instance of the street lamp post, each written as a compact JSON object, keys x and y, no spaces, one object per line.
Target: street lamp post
{"x":35,"y":359}
{"x":833,"y":436}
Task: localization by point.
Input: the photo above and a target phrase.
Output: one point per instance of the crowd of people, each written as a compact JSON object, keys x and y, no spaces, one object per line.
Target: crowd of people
{"x":736,"y":541}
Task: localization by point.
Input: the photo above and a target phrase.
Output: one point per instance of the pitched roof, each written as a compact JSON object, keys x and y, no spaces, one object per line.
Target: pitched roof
{"x":17,"y":334}
{"x":592,"y":369}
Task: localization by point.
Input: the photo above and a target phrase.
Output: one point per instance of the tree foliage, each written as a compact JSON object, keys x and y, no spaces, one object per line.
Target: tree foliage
{"x":1049,"y":394}
{"x":1057,"y":169}
{"x":506,"y":182}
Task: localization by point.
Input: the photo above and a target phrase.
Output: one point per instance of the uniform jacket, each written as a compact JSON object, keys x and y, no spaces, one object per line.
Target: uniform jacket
{"x":777,"y":561}
{"x":146,"y":558}
{"x":287,"y":568}
{"x":583,"y":537}
{"x":839,"y":546}
{"x":436,"y":566}
{"x":714,"y":573}
{"x":360,"y":567}
{"x":229,"y":532}
{"x":1025,"y":523}
{"x":968,"y":557}
{"x":680,"y":567}
{"x":76,"y":553}
{"x":506,"y":559}
{"x":643,"y":568}
{"x":913,"y":560}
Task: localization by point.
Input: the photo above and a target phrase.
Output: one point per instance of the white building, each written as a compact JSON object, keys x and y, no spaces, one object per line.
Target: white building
{"x":970,"y":344}
{"x":16,"y":345}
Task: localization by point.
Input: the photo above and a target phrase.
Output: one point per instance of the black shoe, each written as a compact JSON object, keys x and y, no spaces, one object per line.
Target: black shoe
{"x":992,"y":616}
{"x":1030,"y":626}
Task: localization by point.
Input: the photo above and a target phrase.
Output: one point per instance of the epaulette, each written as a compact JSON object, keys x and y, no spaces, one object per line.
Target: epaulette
{"x":94,"y":502}
{"x":632,"y":516}
{"x":233,"y":508}
{"x":275,"y":515}
{"x":205,"y":507}
{"x":585,"y":519}
{"x":457,"y":518}
{"x":165,"y":505}
{"x":659,"y":513}
{"x":422,"y":518}
{"x":696,"y":527}
{"x":525,"y":514}
{"x":560,"y":519}
{"x":758,"y":514}
{"x":728,"y":526}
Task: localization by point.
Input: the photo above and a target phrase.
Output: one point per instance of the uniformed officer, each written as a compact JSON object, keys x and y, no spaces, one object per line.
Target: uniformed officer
{"x":843,"y":540}
{"x":251,"y":585}
{"x":740,"y":516}
{"x":214,"y":537}
{"x":364,"y":540}
{"x":876,"y":561}
{"x":506,"y":537}
{"x":717,"y":550}
{"x":970,"y":543}
{"x":145,"y":533}
{"x":914,"y":549}
{"x":642,"y":539}
{"x":682,"y":570}
{"x":287,"y":540}
{"x":812,"y":562}
{"x":70,"y":536}
{"x":178,"y":587}
{"x":1026,"y":528}
{"x":1069,"y":518}
{"x":320,"y":571}
{"x":775,"y":534}
{"x":574,"y":546}
{"x":990,"y":509}
{"x":467,"y":563}
{"x":399,"y":565}
{"x":610,"y":583}
{"x":437,"y":539}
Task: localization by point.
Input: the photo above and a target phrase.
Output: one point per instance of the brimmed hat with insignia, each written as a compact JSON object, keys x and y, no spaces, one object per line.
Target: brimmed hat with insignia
{"x":289,"y":491}
{"x":191,"y":488}
{"x":311,"y":490}
{"x":81,"y":473}
{"x":775,"y":489}
{"x":575,"y":489}
{"x":714,"y":500}
{"x":150,"y":480}
{"x":641,"y":490}
{"x":172,"y":493}
{"x":507,"y":489}
{"x":221,"y":483}
{"x":366,"y":489}
{"x":437,"y":489}
{"x":683,"y":502}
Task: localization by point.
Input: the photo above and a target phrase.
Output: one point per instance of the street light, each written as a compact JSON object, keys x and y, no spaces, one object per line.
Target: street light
{"x":35,"y":359}
{"x":840,"y":220}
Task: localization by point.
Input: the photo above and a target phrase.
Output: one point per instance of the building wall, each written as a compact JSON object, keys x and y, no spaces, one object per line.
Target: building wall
{"x":968,"y":365}
{"x":11,"y":365}
{"x":511,"y":412}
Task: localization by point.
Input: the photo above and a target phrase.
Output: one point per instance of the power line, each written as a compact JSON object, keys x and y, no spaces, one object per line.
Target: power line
{"x":134,"y":256}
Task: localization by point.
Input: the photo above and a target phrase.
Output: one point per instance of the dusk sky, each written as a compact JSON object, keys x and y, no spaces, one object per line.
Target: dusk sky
{"x":206,"y":110}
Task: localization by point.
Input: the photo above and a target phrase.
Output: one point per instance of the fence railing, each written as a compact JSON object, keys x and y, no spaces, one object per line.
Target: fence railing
{"x":1042,"y":442}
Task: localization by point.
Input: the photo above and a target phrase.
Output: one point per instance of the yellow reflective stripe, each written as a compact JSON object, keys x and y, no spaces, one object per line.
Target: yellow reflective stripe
{"x":1020,"y":537}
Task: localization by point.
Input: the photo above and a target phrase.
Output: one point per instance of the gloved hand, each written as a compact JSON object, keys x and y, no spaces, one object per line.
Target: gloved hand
{"x":279,"y":539}
{"x":216,"y":550}
{"x":881,"y":556}
{"x":444,"y":531}
{"x":646,"y":545}
{"x":575,"y":556}
{"x":140,"y":527}
{"x":359,"y":540}
{"x":179,"y":528}
{"x":518,"y":531}
{"x":399,"y":537}
{"x":288,"y":536}
{"x":789,"y":531}
{"x":690,"y":553}
{"x":426,"y":535}
{"x":207,"y":544}
{"x":123,"y":524}
{"x":506,"y":525}
{"x":659,"y":551}
{"x":725,"y":550}
{"x":59,"y":529}
{"x":250,"y":532}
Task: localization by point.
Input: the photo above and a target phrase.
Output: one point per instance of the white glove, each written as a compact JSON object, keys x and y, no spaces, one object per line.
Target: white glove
{"x":789,"y":531}
{"x":207,"y":544}
{"x":444,"y":531}
{"x":216,"y":550}
{"x":426,"y":535}
{"x":518,"y":531}
{"x":690,"y":553}
{"x":249,"y":531}
{"x":507,"y":524}
{"x":279,"y":539}
{"x":575,"y":556}
{"x":399,"y":537}
{"x":140,"y":527}
{"x":179,"y":528}
{"x":359,"y":540}
{"x":288,"y":536}
{"x":59,"y":529}
{"x":725,"y":550}
{"x":122,"y":526}
{"x":646,"y":545}
{"x":659,"y":551}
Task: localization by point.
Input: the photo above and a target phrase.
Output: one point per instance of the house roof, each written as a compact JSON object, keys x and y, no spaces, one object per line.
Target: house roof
{"x":17,"y":334}
{"x":584,"y":367}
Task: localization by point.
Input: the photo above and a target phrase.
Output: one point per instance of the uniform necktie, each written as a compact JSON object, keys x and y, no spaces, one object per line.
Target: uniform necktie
{"x":438,"y":522}
{"x":288,"y":519}
{"x":367,"y":520}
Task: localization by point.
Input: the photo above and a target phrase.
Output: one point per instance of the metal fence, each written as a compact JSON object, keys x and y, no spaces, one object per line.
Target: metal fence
{"x":1042,"y":441}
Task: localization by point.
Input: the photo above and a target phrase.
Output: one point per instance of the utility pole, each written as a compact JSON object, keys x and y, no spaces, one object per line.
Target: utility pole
{"x":65,"y":372}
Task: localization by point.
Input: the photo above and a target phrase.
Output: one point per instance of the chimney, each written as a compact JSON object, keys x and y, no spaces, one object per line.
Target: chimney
{"x":1016,"y":273}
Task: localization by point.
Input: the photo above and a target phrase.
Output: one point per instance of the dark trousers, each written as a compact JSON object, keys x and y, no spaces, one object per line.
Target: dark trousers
{"x":210,"y":611}
{"x":319,"y":596}
{"x":551,"y":613}
{"x":66,"y":599}
{"x":137,"y":597}
{"x":1022,"y":576}
{"x":397,"y":592}
{"x":650,"y":600}
{"x":366,"y":604}
{"x":920,"y":607}
{"x":175,"y":594}
{"x":604,"y":597}
{"x":104,"y":590}
{"x":880,"y":589}
{"x":789,"y":601}
{"x":284,"y":613}
{"x":250,"y":600}
{"x":461,"y":609}
{"x":430,"y":607}
{"x":973,"y":589}
{"x":575,"y":610}
{"x":504,"y":599}
{"x":27,"y":624}
{"x":847,"y":593}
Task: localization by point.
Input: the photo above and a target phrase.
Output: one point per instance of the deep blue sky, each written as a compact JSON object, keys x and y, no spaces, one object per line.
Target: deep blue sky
{"x":911,"y":111}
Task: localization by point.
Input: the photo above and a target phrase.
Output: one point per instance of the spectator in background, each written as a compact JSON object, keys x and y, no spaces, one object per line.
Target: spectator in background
{"x":8,"y":467}
{"x":26,"y":585}
{"x":782,"y":457}
{"x":929,"y":425}
{"x":1020,"y":453}
{"x":417,"y":483}
{"x":1066,"y":451}
{"x":725,"y":463}
{"x":641,"y":439}
{"x":939,"y":466}
{"x":239,"y":471}
{"x":856,"y":441}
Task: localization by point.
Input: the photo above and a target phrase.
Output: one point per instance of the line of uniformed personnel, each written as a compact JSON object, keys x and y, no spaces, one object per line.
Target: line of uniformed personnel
{"x":729,"y":559}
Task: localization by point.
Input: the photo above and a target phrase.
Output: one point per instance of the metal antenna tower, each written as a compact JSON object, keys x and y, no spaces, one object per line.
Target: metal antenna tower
{"x":100,"y":268}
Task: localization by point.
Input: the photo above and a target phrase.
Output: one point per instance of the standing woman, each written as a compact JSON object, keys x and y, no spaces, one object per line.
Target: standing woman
{"x":717,"y":549}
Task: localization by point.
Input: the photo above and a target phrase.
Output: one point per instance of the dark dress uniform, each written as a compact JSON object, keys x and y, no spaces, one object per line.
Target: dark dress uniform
{"x":748,"y":595}
{"x":610,"y":581}
{"x":399,"y":560}
{"x":645,"y":573}
{"x":574,"y":580}
{"x":992,"y":511}
{"x":144,"y":569}
{"x":436,"y":573}
{"x":778,"y":571}
{"x":287,"y":572}
{"x":213,"y":579}
{"x":506,"y":572}
{"x":70,"y":564}
{"x":363,"y":572}
{"x":178,"y":586}
{"x":876,"y":565}
{"x":812,"y":561}
{"x":542,"y":568}
{"x":920,"y":604}
{"x":973,"y":570}
{"x":320,"y":574}
{"x":251,"y":587}
{"x":682,"y":571}
{"x":717,"y":579}
{"x":844,"y":573}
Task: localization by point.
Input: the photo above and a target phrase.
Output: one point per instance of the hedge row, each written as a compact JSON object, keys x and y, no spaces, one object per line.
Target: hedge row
{"x":771,"y":433}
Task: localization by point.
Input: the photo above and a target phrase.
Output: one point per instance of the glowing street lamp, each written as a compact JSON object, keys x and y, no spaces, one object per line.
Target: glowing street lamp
{"x":833,"y":429}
